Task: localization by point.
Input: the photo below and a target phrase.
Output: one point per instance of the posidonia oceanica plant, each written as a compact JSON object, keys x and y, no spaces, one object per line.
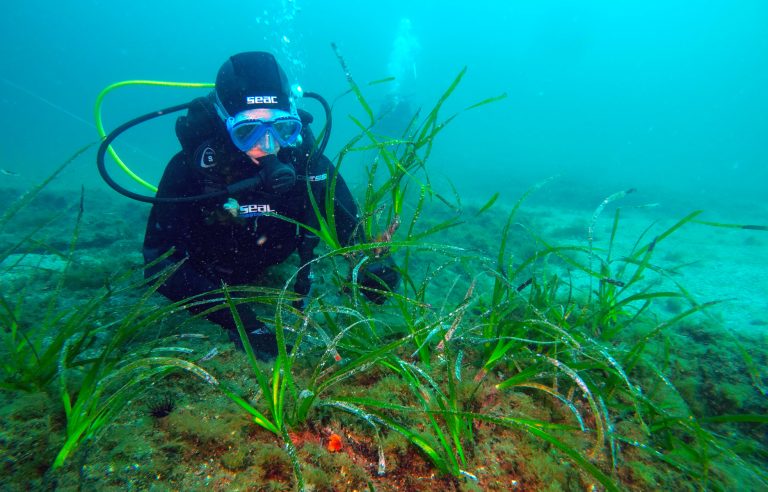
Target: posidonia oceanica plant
{"x":585,"y":351}
{"x":79,"y":352}
{"x":570,"y":325}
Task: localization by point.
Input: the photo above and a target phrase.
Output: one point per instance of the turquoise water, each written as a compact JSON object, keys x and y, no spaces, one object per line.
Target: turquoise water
{"x":630,"y":93}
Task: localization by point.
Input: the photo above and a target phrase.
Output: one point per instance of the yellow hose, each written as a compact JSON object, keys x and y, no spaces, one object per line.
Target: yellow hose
{"x":100,"y":125}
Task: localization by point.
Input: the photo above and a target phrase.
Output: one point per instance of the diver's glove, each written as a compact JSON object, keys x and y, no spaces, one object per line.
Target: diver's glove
{"x":262,"y":340}
{"x":378,"y":277}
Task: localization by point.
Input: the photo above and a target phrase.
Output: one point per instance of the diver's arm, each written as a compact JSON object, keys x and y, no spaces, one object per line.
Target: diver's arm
{"x":169,"y":229}
{"x":169,"y":223}
{"x":378,"y":275}
{"x":320,"y":175}
{"x":345,"y":208}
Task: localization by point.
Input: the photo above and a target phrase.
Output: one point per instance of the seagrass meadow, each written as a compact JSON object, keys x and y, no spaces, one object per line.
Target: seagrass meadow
{"x":532,"y":345}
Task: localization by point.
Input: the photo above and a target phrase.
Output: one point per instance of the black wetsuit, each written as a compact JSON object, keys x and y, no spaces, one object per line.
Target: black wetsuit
{"x":224,"y":246}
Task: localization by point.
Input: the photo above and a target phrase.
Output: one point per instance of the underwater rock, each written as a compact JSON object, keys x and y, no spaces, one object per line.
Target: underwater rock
{"x":35,"y":261}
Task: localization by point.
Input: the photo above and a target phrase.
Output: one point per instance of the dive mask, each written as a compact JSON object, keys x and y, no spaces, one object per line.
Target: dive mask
{"x":247,"y":131}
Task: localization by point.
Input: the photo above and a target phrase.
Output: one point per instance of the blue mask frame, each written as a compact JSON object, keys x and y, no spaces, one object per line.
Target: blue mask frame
{"x":246,"y":133}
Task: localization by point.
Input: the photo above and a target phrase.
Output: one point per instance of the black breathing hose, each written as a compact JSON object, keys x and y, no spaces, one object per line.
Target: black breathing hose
{"x":250,"y":183}
{"x":136,"y":196}
{"x":328,"y":121}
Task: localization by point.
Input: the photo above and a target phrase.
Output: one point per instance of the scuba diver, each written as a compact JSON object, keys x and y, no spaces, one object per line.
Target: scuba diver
{"x":397,"y":110}
{"x":247,"y":154}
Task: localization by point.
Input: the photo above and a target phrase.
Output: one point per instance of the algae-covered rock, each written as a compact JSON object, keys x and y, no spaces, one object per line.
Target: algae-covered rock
{"x":235,"y":459}
{"x":21,"y":269}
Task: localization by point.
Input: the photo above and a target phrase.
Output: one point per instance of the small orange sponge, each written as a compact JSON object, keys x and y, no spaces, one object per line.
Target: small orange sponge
{"x":334,"y":443}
